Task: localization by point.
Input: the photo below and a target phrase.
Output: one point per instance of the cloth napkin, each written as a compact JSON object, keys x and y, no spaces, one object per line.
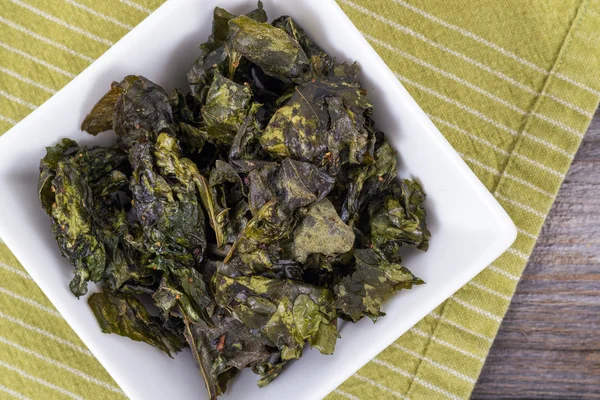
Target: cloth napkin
{"x":512,"y":84}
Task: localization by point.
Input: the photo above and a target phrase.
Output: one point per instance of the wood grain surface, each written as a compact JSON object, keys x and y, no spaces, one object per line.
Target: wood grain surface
{"x":548,"y":346}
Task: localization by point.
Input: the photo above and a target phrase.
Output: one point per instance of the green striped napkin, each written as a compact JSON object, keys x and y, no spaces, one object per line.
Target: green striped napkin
{"x":512,"y":84}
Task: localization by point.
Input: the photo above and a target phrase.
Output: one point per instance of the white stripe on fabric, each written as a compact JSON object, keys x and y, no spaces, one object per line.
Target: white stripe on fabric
{"x":470,"y":85}
{"x":45,"y":39}
{"x":136,"y":6}
{"x":25,"y":79}
{"x":47,"y":334}
{"x":496,"y":148}
{"x":59,"y":21}
{"x":579,"y":110}
{"x":345,"y":394}
{"x":40,"y":381}
{"x":458,"y":104}
{"x":528,"y":184}
{"x":462,"y":328}
{"x":58,"y":364}
{"x":30,"y":302}
{"x":14,"y":270}
{"x":492,"y":45}
{"x":575,"y":83}
{"x":491,"y":291}
{"x":549,"y":145}
{"x":455,"y":53}
{"x":525,"y":233}
{"x":448,"y":345}
{"x":18,"y":100}
{"x":469,"y":134}
{"x":380,"y":386}
{"x":540,"y":165}
{"x":476,"y":309}
{"x":10,"y":121}
{"x":416,"y":379}
{"x":518,"y":253}
{"x":444,"y":73}
{"x":503,"y":272}
{"x":37,"y":60}
{"x":587,"y":114}
{"x":433,"y":43}
{"x":560,"y":125}
{"x":479,"y":164}
{"x":436,"y":364}
{"x":496,"y":172}
{"x":14,"y":394}
{"x":520,"y":205}
{"x":100,"y":15}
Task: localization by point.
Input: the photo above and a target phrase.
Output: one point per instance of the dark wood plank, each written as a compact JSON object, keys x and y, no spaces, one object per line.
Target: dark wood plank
{"x":548,"y":346}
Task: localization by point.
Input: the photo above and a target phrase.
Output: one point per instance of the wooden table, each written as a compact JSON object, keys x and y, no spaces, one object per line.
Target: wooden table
{"x":549,"y":344}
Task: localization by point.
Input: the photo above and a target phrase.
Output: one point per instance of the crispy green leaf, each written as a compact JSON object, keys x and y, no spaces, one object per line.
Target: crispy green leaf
{"x":226,"y":107}
{"x":170,"y":214}
{"x":320,"y":61}
{"x":398,"y":220}
{"x":224,"y":348}
{"x":142,"y":111}
{"x":286,"y":312}
{"x":272,"y":49}
{"x":126,"y":316}
{"x":373,"y":281}
{"x":297,"y":129}
{"x":322,"y":231}
{"x":101,"y":117}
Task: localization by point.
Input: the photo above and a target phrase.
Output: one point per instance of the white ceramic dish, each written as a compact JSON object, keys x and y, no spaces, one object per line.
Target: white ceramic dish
{"x":469,"y":227}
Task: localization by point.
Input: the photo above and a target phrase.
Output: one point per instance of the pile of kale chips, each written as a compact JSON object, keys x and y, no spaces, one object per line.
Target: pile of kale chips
{"x":252,"y":212}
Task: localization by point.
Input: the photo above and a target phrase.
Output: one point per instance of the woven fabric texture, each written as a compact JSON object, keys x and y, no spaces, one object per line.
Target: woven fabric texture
{"x":512,"y":85}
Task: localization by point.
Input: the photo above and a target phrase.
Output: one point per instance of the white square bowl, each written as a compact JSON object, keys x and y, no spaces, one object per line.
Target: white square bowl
{"x":469,"y":228}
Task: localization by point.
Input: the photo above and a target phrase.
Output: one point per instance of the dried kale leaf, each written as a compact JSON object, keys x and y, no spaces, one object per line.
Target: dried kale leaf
{"x":226,"y":107}
{"x":142,"y":111}
{"x":322,"y":231}
{"x":248,"y":214}
{"x":216,"y":54}
{"x":373,"y":281}
{"x":68,"y":174}
{"x":226,"y":347}
{"x":323,"y":123}
{"x":126,"y":316}
{"x":102,"y":116}
{"x":272,"y":49}
{"x":286,"y":312}
{"x":398,"y":220}
{"x":320,"y":61}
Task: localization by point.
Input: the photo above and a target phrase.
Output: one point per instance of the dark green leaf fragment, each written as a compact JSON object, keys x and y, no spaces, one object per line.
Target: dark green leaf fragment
{"x":272,"y":49}
{"x":169,"y":211}
{"x":398,"y":220}
{"x":320,"y":61}
{"x":217,"y":54}
{"x":101,"y":117}
{"x":224,"y":348}
{"x":68,"y":176}
{"x":226,"y":107}
{"x":142,"y":111}
{"x":373,"y":281}
{"x":287,"y":313}
{"x":126,"y":316}
{"x":368,"y":182}
{"x":322,"y":232}
{"x":322,"y":123}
